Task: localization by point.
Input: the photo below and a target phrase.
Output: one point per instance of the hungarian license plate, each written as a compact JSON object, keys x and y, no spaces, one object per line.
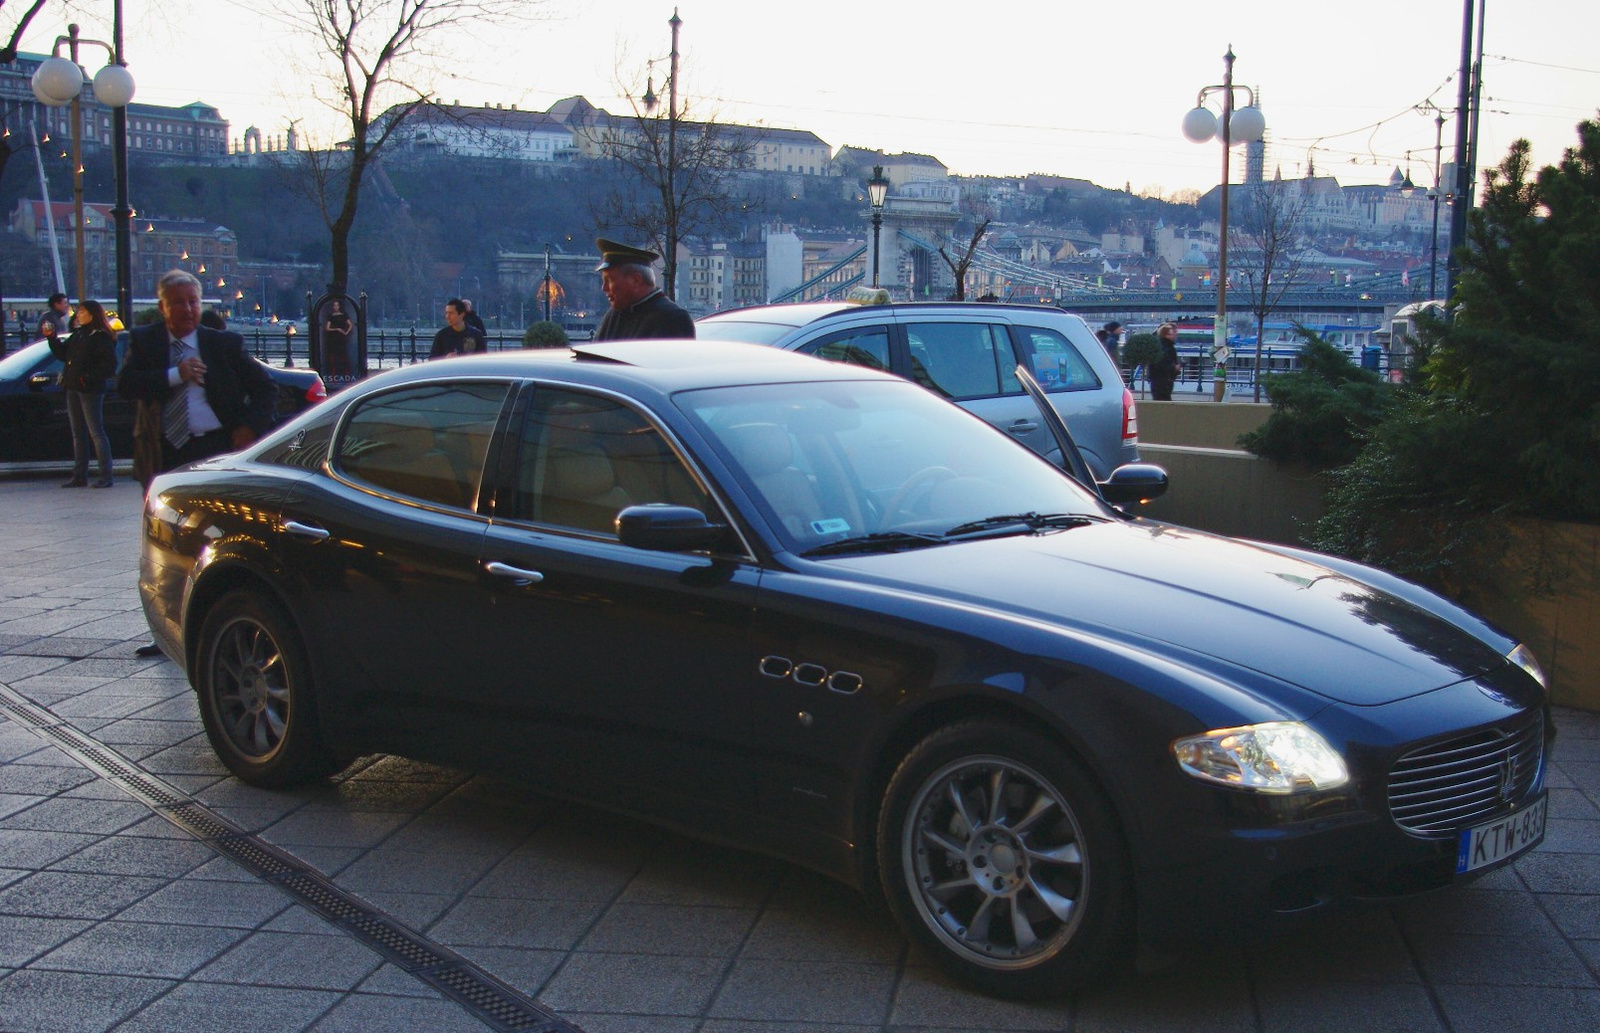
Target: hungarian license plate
{"x":1501,"y":839}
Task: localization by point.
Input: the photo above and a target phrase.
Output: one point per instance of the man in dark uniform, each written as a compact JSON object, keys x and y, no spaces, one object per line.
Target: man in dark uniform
{"x":638,"y":308}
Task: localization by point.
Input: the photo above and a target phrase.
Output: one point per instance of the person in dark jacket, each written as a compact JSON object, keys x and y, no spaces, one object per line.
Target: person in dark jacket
{"x":1164,"y":371}
{"x":457,"y":336}
{"x":197,"y":392}
{"x":227,"y":397}
{"x":89,"y":358}
{"x":638,"y":308}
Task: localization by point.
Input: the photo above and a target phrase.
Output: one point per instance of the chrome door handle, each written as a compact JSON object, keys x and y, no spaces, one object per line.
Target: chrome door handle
{"x":516,"y":574}
{"x":300,"y":530}
{"x":1023,"y":427}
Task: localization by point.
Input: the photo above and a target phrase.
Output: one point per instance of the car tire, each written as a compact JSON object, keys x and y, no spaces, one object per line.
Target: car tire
{"x":1027,"y":899}
{"x":256,"y":695}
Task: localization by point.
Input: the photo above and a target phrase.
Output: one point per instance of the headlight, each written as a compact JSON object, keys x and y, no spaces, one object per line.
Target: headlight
{"x":1522,"y":656}
{"x":1276,"y":757}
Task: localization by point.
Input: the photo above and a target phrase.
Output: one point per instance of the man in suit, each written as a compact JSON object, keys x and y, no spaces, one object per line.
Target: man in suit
{"x":197,"y":392}
{"x":638,"y":308}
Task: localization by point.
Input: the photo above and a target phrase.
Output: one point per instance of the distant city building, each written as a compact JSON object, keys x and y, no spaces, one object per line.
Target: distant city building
{"x":193,"y":130}
{"x":721,"y":275}
{"x":201,"y":247}
{"x":486,"y":132}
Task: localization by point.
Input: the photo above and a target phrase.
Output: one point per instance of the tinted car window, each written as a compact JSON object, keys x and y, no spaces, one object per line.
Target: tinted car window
{"x":428,"y":442}
{"x":582,"y":458}
{"x":863,"y":346}
{"x":307,"y":447}
{"x":1056,"y":364}
{"x":962,"y":360}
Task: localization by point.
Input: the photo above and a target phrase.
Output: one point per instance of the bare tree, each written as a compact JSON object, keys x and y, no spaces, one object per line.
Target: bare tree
{"x":959,"y":266}
{"x":679,"y":179}
{"x":1265,"y":236}
{"x":378,"y":52}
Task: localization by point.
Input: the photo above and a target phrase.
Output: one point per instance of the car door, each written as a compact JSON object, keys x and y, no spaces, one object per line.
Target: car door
{"x":387,"y":536}
{"x":617,"y":673}
{"x":973,"y":364}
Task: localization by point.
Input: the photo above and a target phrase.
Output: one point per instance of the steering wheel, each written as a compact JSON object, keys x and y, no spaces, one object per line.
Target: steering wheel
{"x":923,"y":479}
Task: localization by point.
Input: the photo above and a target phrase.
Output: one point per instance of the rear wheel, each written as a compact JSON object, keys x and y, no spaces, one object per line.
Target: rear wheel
{"x":255,"y":690}
{"x":1001,"y":857}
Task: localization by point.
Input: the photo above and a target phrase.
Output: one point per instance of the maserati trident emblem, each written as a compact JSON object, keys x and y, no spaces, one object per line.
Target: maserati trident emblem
{"x":1508,"y":782}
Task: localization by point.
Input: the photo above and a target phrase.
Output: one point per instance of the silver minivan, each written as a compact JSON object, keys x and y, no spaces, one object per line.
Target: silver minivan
{"x":968,"y":353}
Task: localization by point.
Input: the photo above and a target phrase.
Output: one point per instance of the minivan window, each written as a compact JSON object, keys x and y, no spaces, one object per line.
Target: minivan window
{"x":962,"y":360}
{"x":1056,"y":364}
{"x":863,"y":346}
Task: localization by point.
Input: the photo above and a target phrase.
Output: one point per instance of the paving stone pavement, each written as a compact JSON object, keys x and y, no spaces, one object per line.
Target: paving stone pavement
{"x":113,"y":918}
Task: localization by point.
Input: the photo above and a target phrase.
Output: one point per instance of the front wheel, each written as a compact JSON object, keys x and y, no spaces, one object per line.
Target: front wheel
{"x":1000,"y":856}
{"x":255,"y":690}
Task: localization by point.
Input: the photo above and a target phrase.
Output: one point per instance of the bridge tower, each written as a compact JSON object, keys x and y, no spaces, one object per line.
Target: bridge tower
{"x":913,"y":231}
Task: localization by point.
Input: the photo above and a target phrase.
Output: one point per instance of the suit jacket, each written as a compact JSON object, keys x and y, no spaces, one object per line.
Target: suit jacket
{"x":238,"y":388}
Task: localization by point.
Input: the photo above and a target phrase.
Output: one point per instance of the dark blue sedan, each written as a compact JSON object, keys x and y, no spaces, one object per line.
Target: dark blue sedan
{"x":814,"y":610}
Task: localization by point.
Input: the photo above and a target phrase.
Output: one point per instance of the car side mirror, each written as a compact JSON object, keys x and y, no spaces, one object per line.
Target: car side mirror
{"x":660,"y":527}
{"x":1135,"y":483}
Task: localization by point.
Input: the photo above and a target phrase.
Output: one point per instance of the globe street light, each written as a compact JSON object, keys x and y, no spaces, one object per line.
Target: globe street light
{"x":1235,"y":127}
{"x":57,"y":82}
{"x":877,"y":193}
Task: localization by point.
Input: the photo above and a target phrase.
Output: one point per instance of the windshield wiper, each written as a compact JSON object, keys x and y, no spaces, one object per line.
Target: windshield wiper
{"x":882,"y":541}
{"x":1025,"y":521}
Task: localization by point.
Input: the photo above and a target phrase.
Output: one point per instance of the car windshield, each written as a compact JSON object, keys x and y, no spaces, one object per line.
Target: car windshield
{"x":884,"y":462}
{"x":741,"y":330}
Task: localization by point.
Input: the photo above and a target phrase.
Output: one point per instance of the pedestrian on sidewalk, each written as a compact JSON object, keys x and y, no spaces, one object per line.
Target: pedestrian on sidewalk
{"x":457,"y":336}
{"x":89,"y":358}
{"x":57,"y":319}
{"x":638,"y":306}
{"x":198,"y":393}
{"x":1164,"y":371}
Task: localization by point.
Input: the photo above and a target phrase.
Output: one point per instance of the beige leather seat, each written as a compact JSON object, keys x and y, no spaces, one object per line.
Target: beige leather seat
{"x":766,"y":453}
{"x":581,"y":490}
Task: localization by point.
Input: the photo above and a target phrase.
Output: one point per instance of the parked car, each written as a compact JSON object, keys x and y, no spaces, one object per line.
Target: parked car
{"x":812,"y":609}
{"x":966,"y":352}
{"x":33,"y":408}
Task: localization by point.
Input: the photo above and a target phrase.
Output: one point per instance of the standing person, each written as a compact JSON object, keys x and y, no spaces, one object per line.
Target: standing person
{"x":198,"y":393}
{"x":1110,"y":336}
{"x":57,"y":319}
{"x":89,"y":357}
{"x":457,"y":337}
{"x":473,"y":319}
{"x":638,"y":308}
{"x":337,"y":359}
{"x":1164,"y":371}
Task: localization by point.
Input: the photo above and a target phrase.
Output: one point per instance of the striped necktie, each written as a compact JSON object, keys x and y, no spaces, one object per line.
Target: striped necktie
{"x":175,"y":413}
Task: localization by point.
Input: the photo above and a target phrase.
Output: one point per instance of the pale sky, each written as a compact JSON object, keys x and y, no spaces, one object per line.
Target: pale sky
{"x":1090,"y":90}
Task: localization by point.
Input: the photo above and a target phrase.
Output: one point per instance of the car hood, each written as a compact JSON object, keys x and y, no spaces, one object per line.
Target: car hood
{"x":1153,"y":584}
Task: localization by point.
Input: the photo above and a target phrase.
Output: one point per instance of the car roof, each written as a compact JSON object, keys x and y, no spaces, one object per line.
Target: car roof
{"x":804,"y":313}
{"x":661,"y":365}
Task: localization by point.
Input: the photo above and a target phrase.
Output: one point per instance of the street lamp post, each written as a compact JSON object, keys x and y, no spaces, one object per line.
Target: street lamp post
{"x":671,"y":212}
{"x":1433,"y":195}
{"x":1244,"y":125}
{"x":58,"y":82}
{"x":877,"y":193}
{"x":546,"y":290}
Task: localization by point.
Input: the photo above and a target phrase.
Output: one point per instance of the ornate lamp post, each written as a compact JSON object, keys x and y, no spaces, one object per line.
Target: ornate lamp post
{"x":57,"y":82}
{"x":545,"y":290}
{"x":1243,"y":125}
{"x":877,"y":193}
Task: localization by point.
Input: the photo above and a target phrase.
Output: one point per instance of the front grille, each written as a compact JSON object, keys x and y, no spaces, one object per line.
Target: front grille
{"x":1451,"y":785}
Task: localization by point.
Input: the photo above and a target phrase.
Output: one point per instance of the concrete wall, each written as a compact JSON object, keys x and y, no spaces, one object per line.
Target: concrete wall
{"x":1549,"y":598}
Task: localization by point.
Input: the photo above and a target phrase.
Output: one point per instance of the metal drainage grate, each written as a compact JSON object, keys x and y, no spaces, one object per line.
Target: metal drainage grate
{"x":488,"y":999}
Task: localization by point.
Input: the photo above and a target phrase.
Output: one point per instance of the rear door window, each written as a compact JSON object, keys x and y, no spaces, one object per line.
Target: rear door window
{"x":427,"y":442}
{"x":1056,"y":364}
{"x":962,"y":360}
